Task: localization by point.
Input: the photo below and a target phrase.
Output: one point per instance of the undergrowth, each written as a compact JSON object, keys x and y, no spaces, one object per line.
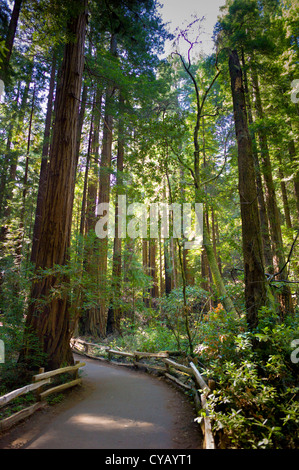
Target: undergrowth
{"x":255,"y":401}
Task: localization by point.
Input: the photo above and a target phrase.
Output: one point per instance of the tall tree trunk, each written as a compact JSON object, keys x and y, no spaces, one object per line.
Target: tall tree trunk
{"x":153,"y":268}
{"x":89,"y":319}
{"x":255,"y":285}
{"x":48,"y":321}
{"x":167,"y":257}
{"x":104,"y":197}
{"x":174,"y":280}
{"x":284,"y":296}
{"x":25,"y":179}
{"x":145,"y":263}
{"x":44,"y":165}
{"x":114,"y":312}
{"x":161,"y":279}
{"x":264,"y":221}
{"x":81,"y":120}
{"x":85,"y":184}
{"x":14,"y":159}
{"x":167,"y":268}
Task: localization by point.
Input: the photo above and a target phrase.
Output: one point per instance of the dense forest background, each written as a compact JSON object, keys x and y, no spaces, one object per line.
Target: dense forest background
{"x":91,"y":114}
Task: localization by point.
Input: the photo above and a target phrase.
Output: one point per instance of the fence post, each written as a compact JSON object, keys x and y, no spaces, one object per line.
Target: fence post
{"x":76,"y":375}
{"x":41,"y":370}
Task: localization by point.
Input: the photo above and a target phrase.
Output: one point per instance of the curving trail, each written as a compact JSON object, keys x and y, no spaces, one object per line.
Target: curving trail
{"x":115,"y":408}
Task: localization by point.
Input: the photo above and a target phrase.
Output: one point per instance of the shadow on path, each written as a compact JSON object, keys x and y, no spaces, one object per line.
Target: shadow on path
{"x":115,"y":408}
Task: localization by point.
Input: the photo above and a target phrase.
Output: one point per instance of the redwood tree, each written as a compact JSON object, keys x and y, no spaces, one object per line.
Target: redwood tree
{"x":47,"y":322}
{"x":255,"y":284}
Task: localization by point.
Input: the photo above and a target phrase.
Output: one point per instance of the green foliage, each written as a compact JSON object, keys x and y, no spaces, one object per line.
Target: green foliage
{"x":2,"y":50}
{"x":255,"y":403}
{"x":149,"y":338}
{"x":215,"y":335}
{"x":13,"y":376}
{"x":17,"y":404}
{"x":55,"y":399}
{"x":247,"y":404}
{"x":172,"y":310}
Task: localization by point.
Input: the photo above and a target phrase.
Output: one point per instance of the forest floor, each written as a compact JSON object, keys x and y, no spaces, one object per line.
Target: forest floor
{"x":114,"y":408}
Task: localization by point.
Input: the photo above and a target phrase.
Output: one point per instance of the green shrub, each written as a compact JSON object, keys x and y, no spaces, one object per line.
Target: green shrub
{"x":17,"y":404}
{"x":255,"y":404}
{"x":148,"y":338}
{"x":216,"y":333}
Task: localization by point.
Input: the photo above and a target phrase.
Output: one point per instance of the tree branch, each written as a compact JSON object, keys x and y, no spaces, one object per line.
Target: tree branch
{"x":289,"y":258}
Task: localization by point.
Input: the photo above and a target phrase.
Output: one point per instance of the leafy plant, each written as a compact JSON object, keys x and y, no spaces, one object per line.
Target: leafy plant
{"x":255,"y":403}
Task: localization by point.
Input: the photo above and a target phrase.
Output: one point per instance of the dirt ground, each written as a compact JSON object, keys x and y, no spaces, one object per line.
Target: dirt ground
{"x":115,"y":408}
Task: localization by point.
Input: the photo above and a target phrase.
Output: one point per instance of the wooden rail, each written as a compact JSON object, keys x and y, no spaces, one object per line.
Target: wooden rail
{"x":39,"y":381}
{"x":5,"y":399}
{"x":196,"y":385}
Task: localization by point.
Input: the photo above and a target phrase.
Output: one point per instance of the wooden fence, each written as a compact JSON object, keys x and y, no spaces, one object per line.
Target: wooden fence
{"x":39,"y":382}
{"x":186,"y":377}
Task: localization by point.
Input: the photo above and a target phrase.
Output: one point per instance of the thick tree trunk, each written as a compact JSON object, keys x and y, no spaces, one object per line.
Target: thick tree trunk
{"x":44,"y":165}
{"x":47,"y":322}
{"x":284,"y":296}
{"x":255,"y":286}
{"x":268,"y":255}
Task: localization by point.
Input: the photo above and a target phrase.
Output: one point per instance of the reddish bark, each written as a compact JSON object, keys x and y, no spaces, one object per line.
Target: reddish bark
{"x":48,"y":314}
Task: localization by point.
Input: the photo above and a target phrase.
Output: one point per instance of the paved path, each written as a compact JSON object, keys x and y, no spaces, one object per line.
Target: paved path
{"x":117,"y":408}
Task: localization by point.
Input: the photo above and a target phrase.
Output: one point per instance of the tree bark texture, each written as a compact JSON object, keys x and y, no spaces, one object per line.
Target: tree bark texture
{"x":255,"y":286}
{"x":284,"y":297}
{"x":104,"y":197}
{"x":114,"y":312}
{"x":44,"y":165}
{"x":268,"y":255}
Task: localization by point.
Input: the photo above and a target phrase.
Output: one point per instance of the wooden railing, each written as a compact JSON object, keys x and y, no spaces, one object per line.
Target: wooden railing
{"x":189,"y":376}
{"x":39,"y":382}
